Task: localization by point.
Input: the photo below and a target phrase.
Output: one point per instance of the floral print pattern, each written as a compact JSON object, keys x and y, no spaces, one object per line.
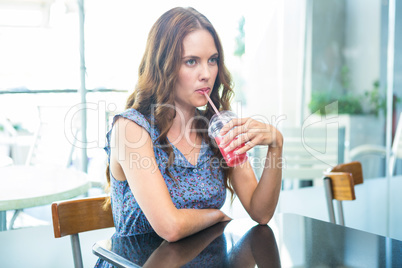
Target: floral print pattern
{"x":200,"y":186}
{"x":194,"y":186}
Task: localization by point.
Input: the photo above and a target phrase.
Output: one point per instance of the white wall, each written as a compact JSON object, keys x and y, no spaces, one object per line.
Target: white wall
{"x":274,"y":50}
{"x":362,"y":42}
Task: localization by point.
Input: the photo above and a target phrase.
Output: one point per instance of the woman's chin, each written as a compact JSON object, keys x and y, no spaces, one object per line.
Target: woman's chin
{"x":201,"y":106}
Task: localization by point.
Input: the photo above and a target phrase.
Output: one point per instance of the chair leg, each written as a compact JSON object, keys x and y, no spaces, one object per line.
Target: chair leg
{"x":16,"y":213}
{"x":3,"y":221}
{"x":75,"y":243}
{"x":340,"y":212}
{"x":328,"y":196}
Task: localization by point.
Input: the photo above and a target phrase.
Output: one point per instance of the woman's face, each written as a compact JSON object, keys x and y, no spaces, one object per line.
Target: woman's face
{"x":198,"y":70}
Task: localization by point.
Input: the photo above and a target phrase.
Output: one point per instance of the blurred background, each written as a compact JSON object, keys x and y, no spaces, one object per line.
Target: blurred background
{"x":320,"y":71}
{"x":289,"y":59}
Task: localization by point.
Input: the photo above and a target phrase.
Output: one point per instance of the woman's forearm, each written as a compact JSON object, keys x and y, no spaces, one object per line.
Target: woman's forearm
{"x":186,"y":222}
{"x":266,"y":194}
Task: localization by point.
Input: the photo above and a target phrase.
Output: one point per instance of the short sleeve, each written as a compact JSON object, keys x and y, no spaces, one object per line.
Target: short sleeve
{"x":138,"y":118}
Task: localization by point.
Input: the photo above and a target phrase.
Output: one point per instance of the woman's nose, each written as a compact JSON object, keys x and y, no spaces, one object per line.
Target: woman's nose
{"x":205,"y":73}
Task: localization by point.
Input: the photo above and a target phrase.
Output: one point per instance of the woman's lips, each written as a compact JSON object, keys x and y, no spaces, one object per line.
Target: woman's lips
{"x":203,"y":90}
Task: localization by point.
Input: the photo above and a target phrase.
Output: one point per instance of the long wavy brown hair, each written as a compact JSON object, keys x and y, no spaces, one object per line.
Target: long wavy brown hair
{"x":157,"y":76}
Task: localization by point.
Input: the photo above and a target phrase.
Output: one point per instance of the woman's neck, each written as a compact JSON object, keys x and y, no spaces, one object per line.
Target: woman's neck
{"x":183,"y":122}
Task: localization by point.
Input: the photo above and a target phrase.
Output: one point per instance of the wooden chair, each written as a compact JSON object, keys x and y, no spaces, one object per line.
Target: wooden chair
{"x":72,"y":217}
{"x":339,"y":184}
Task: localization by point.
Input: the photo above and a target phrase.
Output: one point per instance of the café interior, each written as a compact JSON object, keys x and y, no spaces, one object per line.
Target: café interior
{"x":326,"y":73}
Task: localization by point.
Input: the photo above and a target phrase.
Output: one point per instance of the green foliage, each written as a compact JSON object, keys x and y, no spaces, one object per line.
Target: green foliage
{"x":240,"y":42}
{"x":347,"y":104}
{"x":16,"y":126}
{"x":377,"y":102}
{"x":345,"y":77}
{"x":351,"y":103}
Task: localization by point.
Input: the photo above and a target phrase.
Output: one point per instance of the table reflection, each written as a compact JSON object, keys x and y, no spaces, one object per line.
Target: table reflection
{"x":209,"y":248}
{"x":256,"y":247}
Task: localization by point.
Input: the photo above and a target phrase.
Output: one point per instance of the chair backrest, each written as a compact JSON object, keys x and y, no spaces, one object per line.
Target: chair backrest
{"x":72,"y":217}
{"x":307,"y":152}
{"x":339,"y":185}
{"x":342,"y":186}
{"x":354,"y":168}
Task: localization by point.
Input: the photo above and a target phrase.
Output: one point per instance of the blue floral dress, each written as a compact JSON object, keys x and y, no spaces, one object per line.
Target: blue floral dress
{"x":198,"y":187}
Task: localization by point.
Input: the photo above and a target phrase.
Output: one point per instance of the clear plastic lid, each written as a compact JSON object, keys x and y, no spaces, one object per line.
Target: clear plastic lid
{"x":218,"y":121}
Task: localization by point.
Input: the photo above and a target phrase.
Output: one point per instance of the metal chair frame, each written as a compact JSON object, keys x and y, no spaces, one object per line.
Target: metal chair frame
{"x":339,"y":185}
{"x":72,"y":217}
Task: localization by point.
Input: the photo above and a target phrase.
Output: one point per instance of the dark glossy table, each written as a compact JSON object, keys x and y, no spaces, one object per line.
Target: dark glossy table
{"x":288,"y":241}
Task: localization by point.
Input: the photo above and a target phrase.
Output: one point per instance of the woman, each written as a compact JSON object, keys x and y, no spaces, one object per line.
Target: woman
{"x":162,"y":164}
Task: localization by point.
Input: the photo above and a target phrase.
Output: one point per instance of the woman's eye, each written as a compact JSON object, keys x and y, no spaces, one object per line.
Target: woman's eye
{"x":213,"y":60}
{"x":190,"y":62}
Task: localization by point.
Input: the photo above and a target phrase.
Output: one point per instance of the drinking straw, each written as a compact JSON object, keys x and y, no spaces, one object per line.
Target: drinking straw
{"x":212,"y":104}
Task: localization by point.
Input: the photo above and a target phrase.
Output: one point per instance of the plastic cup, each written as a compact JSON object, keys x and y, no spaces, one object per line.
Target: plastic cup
{"x":215,"y":125}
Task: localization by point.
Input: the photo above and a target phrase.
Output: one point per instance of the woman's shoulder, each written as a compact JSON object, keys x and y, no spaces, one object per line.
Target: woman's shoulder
{"x":135,"y":116}
{"x":132,"y":114}
{"x":140,"y":119}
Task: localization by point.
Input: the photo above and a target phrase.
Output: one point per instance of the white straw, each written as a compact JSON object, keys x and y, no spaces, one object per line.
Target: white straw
{"x":212,"y":104}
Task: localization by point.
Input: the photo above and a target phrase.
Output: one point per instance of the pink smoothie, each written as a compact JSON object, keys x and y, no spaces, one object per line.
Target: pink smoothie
{"x":231,"y":158}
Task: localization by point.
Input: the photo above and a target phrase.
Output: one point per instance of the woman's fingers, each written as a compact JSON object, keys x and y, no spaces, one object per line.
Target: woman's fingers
{"x":231,"y":124}
{"x":241,"y":139}
{"x":233,"y":134}
{"x":234,"y":128}
{"x":249,"y":131}
{"x":247,"y":146}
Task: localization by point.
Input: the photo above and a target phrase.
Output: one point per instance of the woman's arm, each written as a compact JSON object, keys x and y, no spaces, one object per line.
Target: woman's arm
{"x":258,"y":198}
{"x":179,"y":253}
{"x":133,"y":153}
{"x":257,"y":248}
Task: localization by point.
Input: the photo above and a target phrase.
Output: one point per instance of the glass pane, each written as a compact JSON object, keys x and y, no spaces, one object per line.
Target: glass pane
{"x":345,"y":70}
{"x":342,"y":65}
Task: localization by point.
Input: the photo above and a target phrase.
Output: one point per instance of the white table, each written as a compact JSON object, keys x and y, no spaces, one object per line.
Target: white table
{"x":368,"y":212}
{"x":31,"y":186}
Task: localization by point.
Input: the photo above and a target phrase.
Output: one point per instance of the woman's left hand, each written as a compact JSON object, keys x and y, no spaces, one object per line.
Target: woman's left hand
{"x":251,"y":132}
